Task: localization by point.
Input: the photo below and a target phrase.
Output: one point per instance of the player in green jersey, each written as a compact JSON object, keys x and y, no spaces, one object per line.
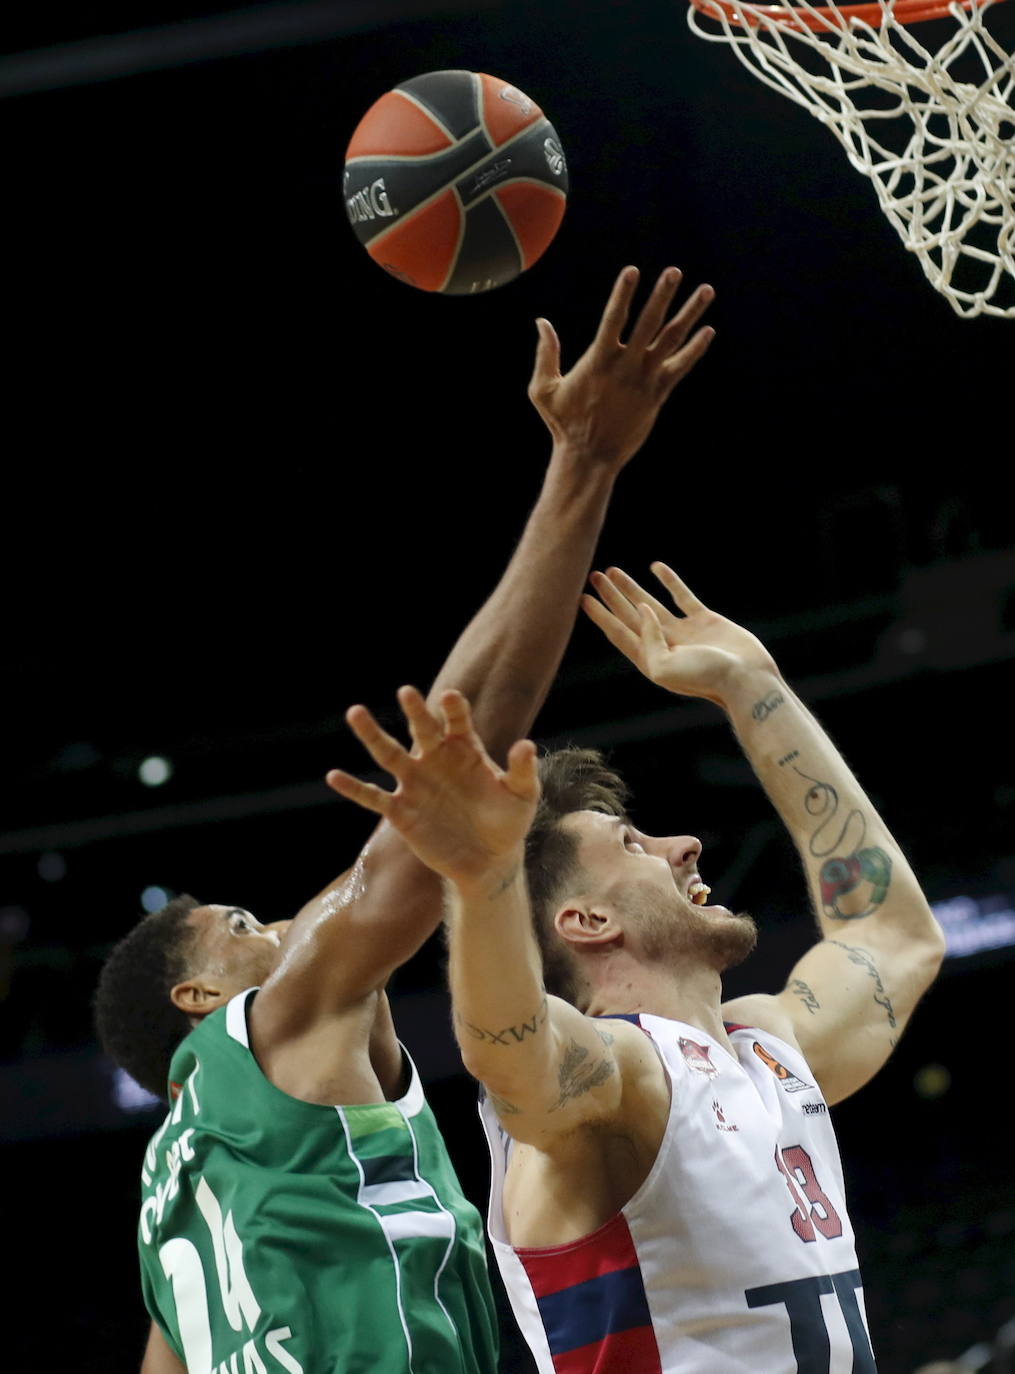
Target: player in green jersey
{"x":299,"y":1210}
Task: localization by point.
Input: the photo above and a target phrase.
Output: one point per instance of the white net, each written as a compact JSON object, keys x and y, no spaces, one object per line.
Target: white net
{"x":934,"y":131}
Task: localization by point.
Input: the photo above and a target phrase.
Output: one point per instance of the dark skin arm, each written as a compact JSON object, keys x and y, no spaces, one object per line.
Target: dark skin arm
{"x":343,"y":946}
{"x":158,"y":1358}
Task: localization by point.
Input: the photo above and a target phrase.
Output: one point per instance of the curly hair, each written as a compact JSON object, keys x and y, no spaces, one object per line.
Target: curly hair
{"x":572,"y":780}
{"x":136,"y":1023}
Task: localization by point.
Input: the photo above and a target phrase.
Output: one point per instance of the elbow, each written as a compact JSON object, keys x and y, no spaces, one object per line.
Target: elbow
{"x":932,"y":951}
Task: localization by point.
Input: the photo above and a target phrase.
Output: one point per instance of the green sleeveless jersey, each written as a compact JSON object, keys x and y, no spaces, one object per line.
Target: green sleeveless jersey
{"x":277,"y":1235}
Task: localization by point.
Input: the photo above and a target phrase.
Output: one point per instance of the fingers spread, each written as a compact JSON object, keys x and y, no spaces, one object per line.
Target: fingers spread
{"x":679,"y":364}
{"x":622,"y":638}
{"x":675,"y":333}
{"x":424,"y":727}
{"x":682,"y":595}
{"x":382,"y":747}
{"x":637,"y":595}
{"x":457,"y":716}
{"x":364,"y":794}
{"x":611,"y":326}
{"x":649,"y":322}
{"x":623,"y":607}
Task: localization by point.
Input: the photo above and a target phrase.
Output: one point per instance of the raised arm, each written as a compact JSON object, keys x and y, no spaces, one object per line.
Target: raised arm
{"x":849,"y":998}
{"x":547,"y":1066}
{"x":346,"y":942}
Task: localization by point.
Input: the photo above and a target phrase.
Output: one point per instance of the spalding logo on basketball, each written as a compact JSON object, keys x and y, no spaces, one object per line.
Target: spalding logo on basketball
{"x":455,"y":182}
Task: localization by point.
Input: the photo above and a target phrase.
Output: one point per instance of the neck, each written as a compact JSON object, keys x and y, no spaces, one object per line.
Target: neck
{"x":693,"y":996}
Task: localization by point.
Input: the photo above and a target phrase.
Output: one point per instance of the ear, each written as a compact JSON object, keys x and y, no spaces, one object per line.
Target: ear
{"x":586,"y":927}
{"x":198,"y":996}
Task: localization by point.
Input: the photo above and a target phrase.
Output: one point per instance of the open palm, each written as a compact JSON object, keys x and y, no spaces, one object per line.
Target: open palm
{"x":460,"y":813}
{"x":694,"y":652}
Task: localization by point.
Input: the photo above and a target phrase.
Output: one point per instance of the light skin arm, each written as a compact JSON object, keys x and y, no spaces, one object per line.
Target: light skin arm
{"x":547,"y":1066}
{"x":344,"y":945}
{"x":158,"y":1358}
{"x":849,"y":998}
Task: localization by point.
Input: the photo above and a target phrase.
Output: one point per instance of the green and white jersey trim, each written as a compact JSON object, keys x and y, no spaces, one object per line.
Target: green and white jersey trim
{"x":278,"y":1236}
{"x":405,"y":1206}
{"x":382,"y":1145}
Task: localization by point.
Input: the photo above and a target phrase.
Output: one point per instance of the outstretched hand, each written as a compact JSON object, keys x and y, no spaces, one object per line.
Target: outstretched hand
{"x":608,"y":402}
{"x":460,"y":813}
{"x":694,"y":652}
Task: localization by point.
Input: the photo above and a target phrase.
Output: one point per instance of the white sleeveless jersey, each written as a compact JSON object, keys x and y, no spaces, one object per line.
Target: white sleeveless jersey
{"x":735,"y":1256}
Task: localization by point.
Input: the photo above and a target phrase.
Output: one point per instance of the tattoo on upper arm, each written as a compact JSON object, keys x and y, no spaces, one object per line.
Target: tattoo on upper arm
{"x":577,"y":1077}
{"x":859,"y":956}
{"x":803,"y":990}
{"x":853,"y":882}
{"x":763,"y":709}
{"x":508,"y":1035}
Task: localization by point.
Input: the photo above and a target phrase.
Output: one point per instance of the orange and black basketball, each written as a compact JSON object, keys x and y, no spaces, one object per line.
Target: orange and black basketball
{"x":455,"y":182}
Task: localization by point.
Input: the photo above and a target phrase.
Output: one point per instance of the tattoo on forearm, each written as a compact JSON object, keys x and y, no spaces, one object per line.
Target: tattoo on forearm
{"x":504,"y":884}
{"x":803,"y":990}
{"x":853,"y":882}
{"x":577,"y":1077}
{"x":862,"y":959}
{"x":763,"y":709}
{"x":788,"y":758}
{"x":509,"y":1035}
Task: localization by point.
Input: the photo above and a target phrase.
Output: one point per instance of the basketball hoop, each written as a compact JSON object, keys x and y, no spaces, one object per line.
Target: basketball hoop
{"x":933,"y":131}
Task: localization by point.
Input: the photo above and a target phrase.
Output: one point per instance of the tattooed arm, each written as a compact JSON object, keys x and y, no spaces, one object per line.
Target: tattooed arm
{"x":546,"y":1065}
{"x":849,"y":998}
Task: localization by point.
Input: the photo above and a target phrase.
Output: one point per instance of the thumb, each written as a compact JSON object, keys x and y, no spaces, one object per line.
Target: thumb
{"x":547,"y":364}
{"x":521,"y":777}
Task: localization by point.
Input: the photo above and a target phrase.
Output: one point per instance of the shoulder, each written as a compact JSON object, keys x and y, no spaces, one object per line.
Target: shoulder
{"x":763,"y":1012}
{"x":643,"y":1076}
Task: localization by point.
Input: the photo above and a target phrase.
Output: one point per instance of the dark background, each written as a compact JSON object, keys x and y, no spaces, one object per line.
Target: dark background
{"x":250,"y":479}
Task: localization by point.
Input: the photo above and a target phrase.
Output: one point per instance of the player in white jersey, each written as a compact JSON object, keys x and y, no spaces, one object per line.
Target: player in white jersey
{"x":667,"y":1191}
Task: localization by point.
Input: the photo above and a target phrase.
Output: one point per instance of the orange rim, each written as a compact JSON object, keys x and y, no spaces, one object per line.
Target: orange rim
{"x":827,"y":16}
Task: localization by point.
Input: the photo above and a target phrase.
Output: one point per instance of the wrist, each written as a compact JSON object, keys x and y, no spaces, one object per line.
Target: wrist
{"x":584,"y":464}
{"x":501,"y":876}
{"x":750,"y":690}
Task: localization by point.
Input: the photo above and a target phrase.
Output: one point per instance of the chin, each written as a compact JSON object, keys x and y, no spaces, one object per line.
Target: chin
{"x":732,"y":937}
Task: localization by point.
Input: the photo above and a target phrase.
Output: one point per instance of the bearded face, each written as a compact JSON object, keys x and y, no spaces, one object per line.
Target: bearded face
{"x":668,"y":929}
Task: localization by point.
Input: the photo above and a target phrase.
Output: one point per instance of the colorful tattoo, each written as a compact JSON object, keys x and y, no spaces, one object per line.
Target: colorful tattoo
{"x":854,"y":881}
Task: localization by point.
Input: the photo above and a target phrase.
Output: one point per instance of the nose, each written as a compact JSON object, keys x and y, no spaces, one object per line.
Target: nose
{"x":683,"y":851}
{"x":679,"y":851}
{"x":279,"y":928}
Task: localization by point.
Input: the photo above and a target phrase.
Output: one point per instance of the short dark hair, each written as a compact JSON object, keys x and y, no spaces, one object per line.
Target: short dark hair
{"x":137,"y":1024}
{"x":572,"y":780}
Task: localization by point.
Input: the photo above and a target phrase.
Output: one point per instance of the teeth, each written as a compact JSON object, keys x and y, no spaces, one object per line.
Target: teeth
{"x":698,"y":892}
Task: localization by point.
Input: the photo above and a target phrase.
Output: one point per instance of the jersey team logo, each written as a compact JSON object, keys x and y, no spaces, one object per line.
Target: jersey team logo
{"x":721,"y":1124}
{"x":697,"y":1057}
{"x":789,"y":1081}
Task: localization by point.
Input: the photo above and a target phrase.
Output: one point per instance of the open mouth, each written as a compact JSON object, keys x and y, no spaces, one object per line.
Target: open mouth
{"x":698,"y":892}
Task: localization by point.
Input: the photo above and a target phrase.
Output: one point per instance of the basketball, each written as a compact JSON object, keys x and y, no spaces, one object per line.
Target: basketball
{"x":455,"y":182}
